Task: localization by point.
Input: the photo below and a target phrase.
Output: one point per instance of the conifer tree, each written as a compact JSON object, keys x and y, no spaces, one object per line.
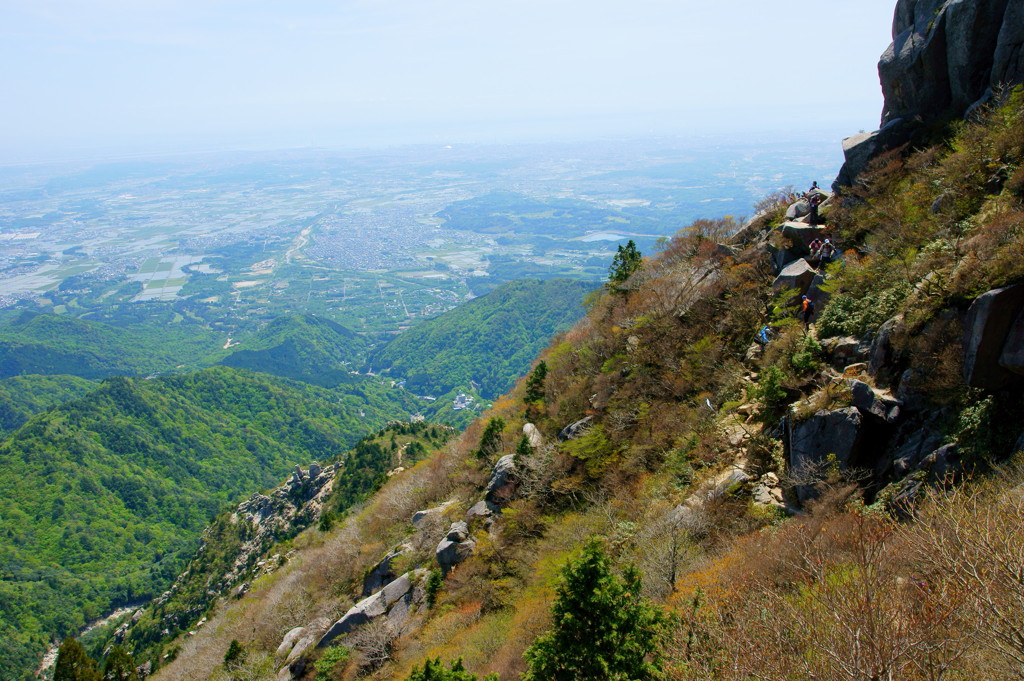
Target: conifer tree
{"x":604,"y":630}
{"x":119,"y":665}
{"x":73,"y":664}
{"x":535,"y":383}
{"x":491,"y":438}
{"x":434,"y":670}
{"x":627,"y":260}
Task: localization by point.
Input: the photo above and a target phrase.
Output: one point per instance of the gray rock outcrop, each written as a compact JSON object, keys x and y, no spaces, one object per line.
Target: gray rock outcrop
{"x":378,"y":605}
{"x":533,"y":435}
{"x":946,"y":57}
{"x":797,"y":275}
{"x":811,"y":443}
{"x":871,"y":403}
{"x":574,"y":430}
{"x":986,"y":329}
{"x":501,"y":487}
{"x":947,"y":54}
{"x":456,"y":547}
{"x":382,"y":573}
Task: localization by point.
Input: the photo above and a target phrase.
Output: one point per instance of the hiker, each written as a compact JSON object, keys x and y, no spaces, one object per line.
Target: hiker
{"x":827,"y":252}
{"x":806,"y":309}
{"x":815,"y":247}
{"x":814,"y":188}
{"x":814,"y":201}
{"x":764,"y":336}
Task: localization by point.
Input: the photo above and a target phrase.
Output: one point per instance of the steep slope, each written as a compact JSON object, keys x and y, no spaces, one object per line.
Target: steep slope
{"x":101,"y":498}
{"x":303,"y":348}
{"x":664,"y":430}
{"x":488,"y":341}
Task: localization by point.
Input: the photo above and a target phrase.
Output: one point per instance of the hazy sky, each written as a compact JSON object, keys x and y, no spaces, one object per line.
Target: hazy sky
{"x":141,"y":75}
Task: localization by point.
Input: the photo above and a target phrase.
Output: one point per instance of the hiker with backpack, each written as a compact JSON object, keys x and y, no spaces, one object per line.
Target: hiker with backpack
{"x":806,"y":309}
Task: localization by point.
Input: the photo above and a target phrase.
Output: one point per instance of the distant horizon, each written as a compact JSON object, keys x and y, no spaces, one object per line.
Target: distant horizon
{"x":272,"y":144}
{"x":94,"y":79}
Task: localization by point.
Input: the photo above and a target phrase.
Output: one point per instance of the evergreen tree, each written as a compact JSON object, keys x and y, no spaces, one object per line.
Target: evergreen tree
{"x":627,"y":260}
{"x":119,"y":666}
{"x":603,"y":628}
{"x":434,"y":670}
{"x":535,"y":383}
{"x":491,"y":439}
{"x":73,"y":664}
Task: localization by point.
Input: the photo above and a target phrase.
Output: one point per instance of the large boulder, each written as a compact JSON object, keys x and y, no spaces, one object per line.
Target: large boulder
{"x":797,"y":275}
{"x":860,"y":149}
{"x":574,"y":430}
{"x":370,"y":608}
{"x":986,"y":329}
{"x":813,"y":443}
{"x":533,"y":435}
{"x":502,"y":485}
{"x":456,"y":547}
{"x":798,"y":210}
{"x":871,"y":403}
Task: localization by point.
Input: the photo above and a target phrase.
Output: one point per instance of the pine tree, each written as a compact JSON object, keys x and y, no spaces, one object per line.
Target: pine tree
{"x":434,"y":670}
{"x":490,"y":441}
{"x":627,"y":260}
{"x":535,"y":383}
{"x":73,"y":664}
{"x":604,"y":630}
{"x":119,"y":666}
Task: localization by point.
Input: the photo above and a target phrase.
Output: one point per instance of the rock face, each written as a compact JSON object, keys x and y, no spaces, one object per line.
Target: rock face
{"x":382,"y":574}
{"x":858,"y":150}
{"x":811,"y":442}
{"x":947,"y":54}
{"x":872,"y":404}
{"x":946,"y":57}
{"x":986,"y":329}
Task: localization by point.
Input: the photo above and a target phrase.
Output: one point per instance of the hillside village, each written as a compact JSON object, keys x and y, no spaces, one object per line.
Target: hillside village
{"x":768,"y":488}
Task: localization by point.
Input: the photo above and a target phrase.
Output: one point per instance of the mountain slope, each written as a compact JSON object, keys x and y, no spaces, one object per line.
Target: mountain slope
{"x":686,"y":447}
{"x":490,"y":340}
{"x":23,"y":396}
{"x":102,"y":498}
{"x":303,"y":348}
{"x":50,"y":344}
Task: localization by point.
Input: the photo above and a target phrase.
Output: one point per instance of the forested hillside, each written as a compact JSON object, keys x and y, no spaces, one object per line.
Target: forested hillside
{"x":304,"y":348}
{"x":23,"y":396}
{"x":102,"y":498}
{"x":489,"y":341}
{"x":50,"y":344}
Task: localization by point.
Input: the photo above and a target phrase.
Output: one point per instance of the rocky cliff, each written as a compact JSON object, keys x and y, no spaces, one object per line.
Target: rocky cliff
{"x":947,"y":57}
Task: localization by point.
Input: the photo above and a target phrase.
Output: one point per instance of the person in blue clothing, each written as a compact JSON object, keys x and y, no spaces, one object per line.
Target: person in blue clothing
{"x":764,"y":336}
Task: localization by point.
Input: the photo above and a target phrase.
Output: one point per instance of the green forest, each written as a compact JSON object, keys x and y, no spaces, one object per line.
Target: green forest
{"x":102,"y":498}
{"x":490,"y":340}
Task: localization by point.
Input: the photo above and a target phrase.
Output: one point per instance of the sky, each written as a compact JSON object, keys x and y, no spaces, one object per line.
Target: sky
{"x":128,"y":77}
